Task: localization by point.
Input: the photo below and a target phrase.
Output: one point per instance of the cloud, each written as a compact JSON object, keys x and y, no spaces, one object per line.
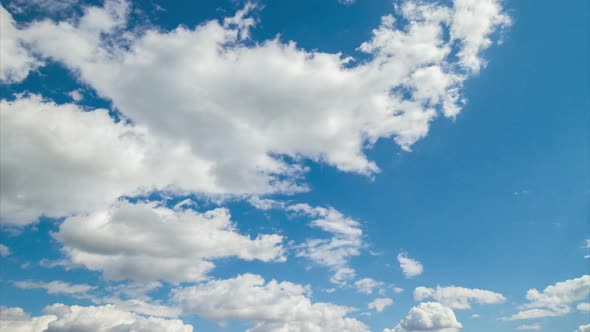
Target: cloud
{"x":584,"y":307}
{"x":583,"y":328}
{"x":17,"y":60}
{"x":367,"y":285}
{"x":410,"y":267}
{"x":235,"y":109}
{"x":63,"y":318}
{"x":90,"y":161}
{"x":529,"y":327}
{"x":4,"y":250}
{"x":428,"y":316}
{"x":458,"y":297}
{"x":380,"y":304}
{"x":555,"y":300}
{"x":133,"y":241}
{"x":334,"y":252}
{"x":58,"y":287}
{"x":270,"y":306}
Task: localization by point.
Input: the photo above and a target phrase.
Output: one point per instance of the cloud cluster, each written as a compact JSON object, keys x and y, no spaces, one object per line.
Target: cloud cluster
{"x":458,"y":297}
{"x":236,"y":108}
{"x":555,"y":300}
{"x":63,"y":318}
{"x":129,"y":239}
{"x":428,"y":316}
{"x":270,"y":306}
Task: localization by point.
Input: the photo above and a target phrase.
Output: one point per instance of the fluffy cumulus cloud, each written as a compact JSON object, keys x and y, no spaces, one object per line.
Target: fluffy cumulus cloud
{"x":583,"y":328}
{"x":458,"y":297}
{"x":380,"y":304}
{"x":133,"y":241}
{"x":334,"y":252}
{"x":269,"y":306}
{"x":17,"y":60}
{"x":555,"y":300}
{"x":89,"y":160}
{"x":63,"y":318}
{"x":428,"y":316}
{"x":234,"y":108}
{"x":584,"y":307}
{"x":410,"y":267}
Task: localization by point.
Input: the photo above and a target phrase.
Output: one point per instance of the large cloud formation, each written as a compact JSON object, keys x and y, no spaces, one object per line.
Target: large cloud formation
{"x":63,"y":318}
{"x":271,"y":306}
{"x":232,"y":109}
{"x":128,"y":240}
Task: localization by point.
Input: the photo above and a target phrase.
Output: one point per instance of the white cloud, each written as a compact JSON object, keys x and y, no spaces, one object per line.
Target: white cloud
{"x":90,"y":161}
{"x":458,"y":297}
{"x":4,"y":250}
{"x":76,"y":95}
{"x":134,"y":241}
{"x":335,"y":252}
{"x":397,"y":290}
{"x":529,"y":327}
{"x":58,"y":287}
{"x":17,"y":61}
{"x":584,"y":307}
{"x":410,"y":267}
{"x":270,"y":306}
{"x":475,"y":316}
{"x":367,"y":285}
{"x":583,"y":328}
{"x":234,"y":109}
{"x":63,"y":318}
{"x":555,"y":300}
{"x":428,"y":316}
{"x":380,"y":304}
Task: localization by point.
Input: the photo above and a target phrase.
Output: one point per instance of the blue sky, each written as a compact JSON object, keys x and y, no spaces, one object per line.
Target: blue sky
{"x":295,"y":166}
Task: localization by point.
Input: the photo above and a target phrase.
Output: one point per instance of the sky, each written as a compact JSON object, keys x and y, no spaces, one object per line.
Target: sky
{"x":395,"y":166}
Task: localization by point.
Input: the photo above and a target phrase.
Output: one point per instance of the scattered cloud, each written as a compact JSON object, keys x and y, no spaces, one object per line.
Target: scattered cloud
{"x":458,"y":297}
{"x":529,"y":327}
{"x":555,"y":300}
{"x":4,"y":250}
{"x":367,"y":285}
{"x":410,"y":267}
{"x":380,"y":303}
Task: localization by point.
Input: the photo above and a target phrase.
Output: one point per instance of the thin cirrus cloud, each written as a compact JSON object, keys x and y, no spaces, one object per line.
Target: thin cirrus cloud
{"x":245,"y":105}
